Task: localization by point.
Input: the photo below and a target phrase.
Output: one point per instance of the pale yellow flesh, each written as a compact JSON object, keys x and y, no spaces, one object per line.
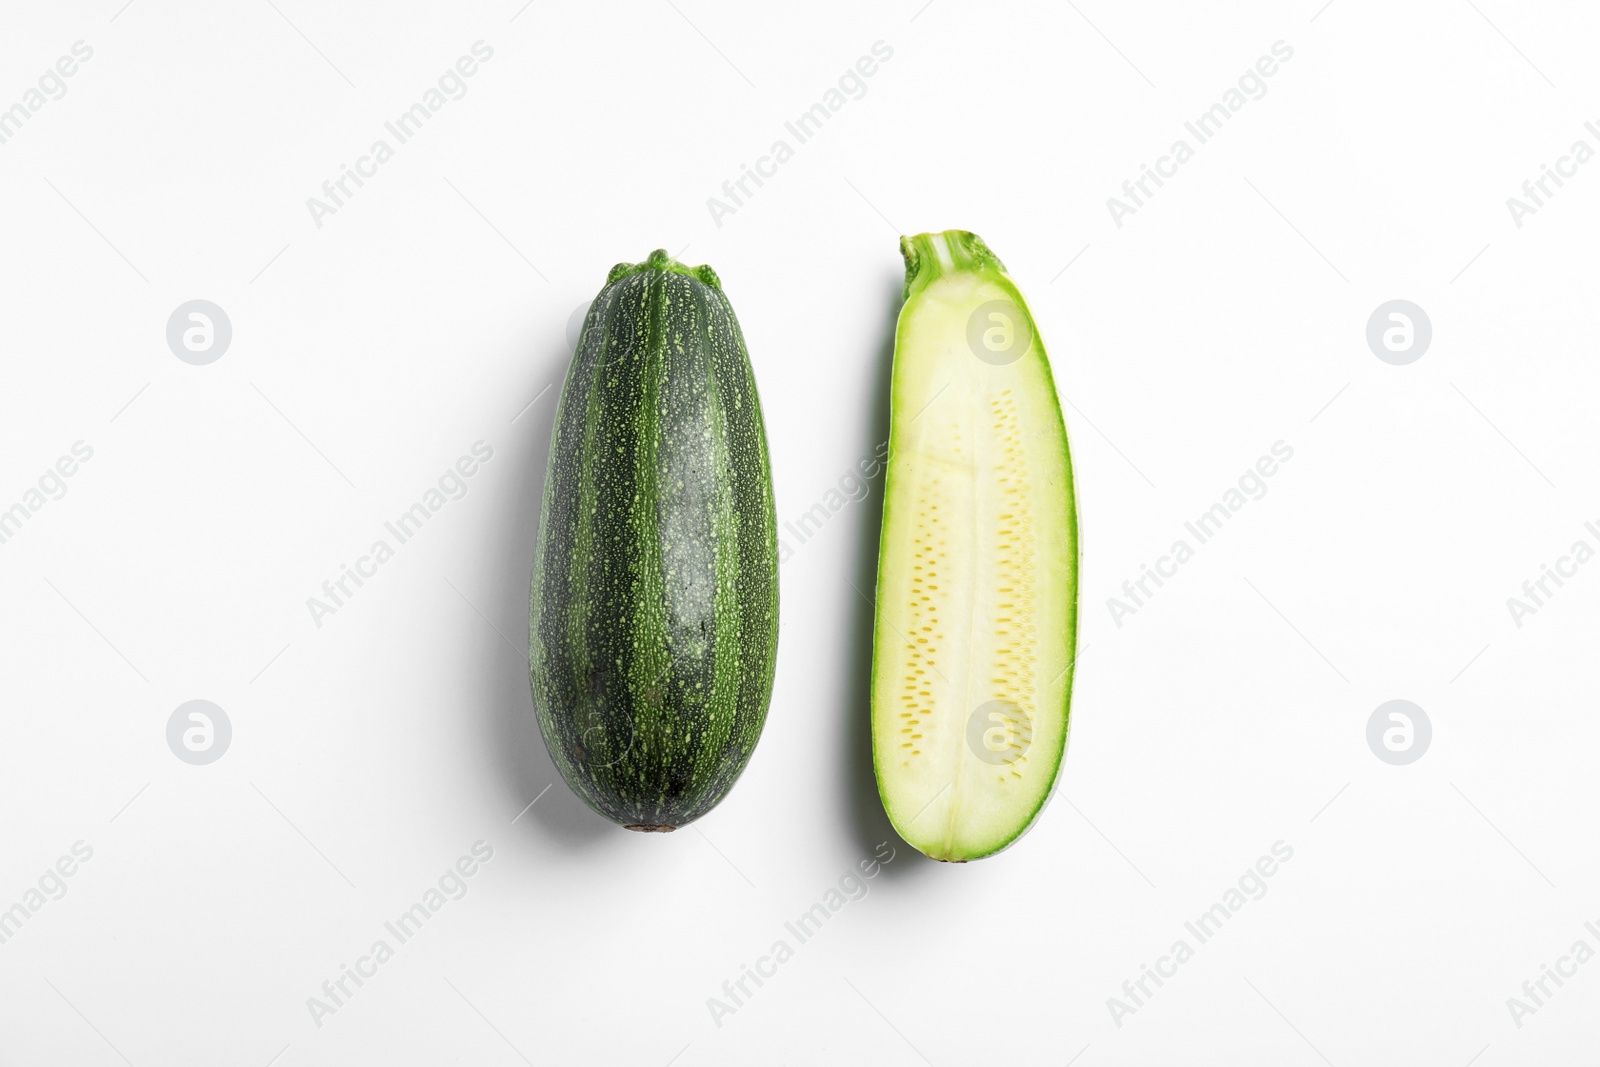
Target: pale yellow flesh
{"x":980,"y":609}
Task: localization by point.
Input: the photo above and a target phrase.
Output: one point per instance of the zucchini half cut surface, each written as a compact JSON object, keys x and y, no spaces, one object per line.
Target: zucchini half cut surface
{"x":977,"y":599}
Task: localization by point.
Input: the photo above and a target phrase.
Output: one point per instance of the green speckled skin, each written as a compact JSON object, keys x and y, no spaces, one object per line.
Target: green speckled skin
{"x":654,"y":615}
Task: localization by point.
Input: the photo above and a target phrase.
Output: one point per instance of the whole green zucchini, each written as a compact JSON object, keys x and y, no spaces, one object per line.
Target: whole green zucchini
{"x":654,"y":615}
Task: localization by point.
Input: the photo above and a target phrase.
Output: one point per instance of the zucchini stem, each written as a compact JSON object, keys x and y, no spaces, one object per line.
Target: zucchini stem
{"x":933,"y":255}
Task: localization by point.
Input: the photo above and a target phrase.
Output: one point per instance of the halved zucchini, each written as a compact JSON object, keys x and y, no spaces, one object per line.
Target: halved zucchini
{"x":976,"y":626}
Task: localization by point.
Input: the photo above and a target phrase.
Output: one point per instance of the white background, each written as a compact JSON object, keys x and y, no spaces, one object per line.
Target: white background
{"x":369,"y":353}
